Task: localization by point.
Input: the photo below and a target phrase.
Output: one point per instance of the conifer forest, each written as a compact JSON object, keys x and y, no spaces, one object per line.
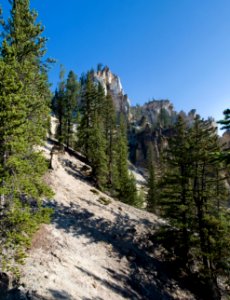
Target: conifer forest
{"x":86,"y":177}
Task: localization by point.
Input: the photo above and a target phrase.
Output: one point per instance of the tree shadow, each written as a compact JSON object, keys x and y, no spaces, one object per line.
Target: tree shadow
{"x":97,"y":298}
{"x":73,"y":170}
{"x":70,"y":151}
{"x":19,"y":294}
{"x":147,"y":278}
{"x":126,"y":292}
{"x":60,"y":295}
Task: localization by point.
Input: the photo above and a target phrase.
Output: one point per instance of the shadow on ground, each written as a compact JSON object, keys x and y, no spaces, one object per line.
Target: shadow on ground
{"x":148,"y":278}
{"x":19,"y":294}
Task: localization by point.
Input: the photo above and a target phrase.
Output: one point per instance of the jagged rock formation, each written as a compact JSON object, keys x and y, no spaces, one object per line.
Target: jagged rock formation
{"x":155,"y":112}
{"x":140,"y":140}
{"x":153,"y":123}
{"x":112,"y":85}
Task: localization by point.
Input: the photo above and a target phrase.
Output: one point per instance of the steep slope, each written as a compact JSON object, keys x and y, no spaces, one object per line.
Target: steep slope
{"x":94,"y":246}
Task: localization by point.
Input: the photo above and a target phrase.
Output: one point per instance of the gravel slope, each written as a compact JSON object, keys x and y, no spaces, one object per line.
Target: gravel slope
{"x":93,"y":247}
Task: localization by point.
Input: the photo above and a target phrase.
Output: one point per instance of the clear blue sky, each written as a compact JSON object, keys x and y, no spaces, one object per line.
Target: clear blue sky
{"x":174,"y":49}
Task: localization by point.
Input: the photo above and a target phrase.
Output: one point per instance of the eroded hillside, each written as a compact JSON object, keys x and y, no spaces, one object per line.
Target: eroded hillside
{"x":95,"y":246}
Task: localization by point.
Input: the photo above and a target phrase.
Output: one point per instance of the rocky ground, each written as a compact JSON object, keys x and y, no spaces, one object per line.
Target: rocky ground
{"x":95,"y":246}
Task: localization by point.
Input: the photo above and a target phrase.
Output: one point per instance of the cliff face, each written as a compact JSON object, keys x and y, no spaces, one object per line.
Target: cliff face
{"x":151,"y":111}
{"x":112,"y":85}
{"x":157,"y":105}
{"x":150,"y":123}
{"x":153,"y":124}
{"x":156,"y":112}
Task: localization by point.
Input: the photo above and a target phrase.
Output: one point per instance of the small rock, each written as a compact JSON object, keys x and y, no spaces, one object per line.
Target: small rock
{"x":94,"y":285}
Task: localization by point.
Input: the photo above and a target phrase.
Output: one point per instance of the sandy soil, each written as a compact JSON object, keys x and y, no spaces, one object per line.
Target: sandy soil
{"x":93,"y":248}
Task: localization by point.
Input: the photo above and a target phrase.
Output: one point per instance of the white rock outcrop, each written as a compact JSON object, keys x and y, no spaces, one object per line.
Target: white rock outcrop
{"x":112,"y":85}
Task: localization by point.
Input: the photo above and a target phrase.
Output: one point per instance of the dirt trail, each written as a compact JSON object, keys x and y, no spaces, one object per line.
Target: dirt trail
{"x":92,"y":249}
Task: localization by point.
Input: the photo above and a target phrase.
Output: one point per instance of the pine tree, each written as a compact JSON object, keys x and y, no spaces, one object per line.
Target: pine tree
{"x":152,"y":196}
{"x":58,"y":105}
{"x":226,"y":121}
{"x":121,"y":157}
{"x":194,"y":201}
{"x":210,"y":203}
{"x":24,"y":97}
{"x":97,"y":156}
{"x":87,"y":109}
{"x":72,"y":90}
{"x":28,"y":47}
{"x":225,"y":155}
{"x":91,"y":138}
{"x":176,"y":202}
{"x":125,"y":183}
{"x":109,"y":120}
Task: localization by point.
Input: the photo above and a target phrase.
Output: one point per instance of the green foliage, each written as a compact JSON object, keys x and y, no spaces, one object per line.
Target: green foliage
{"x":194,"y":199}
{"x":96,"y":192}
{"x":226,"y":121}
{"x":88,"y":105}
{"x":225,"y":155}
{"x":164,"y":118}
{"x":140,"y":199}
{"x":72,"y":93}
{"x":24,"y":115}
{"x":58,"y":105}
{"x":97,"y":156}
{"x":91,"y":137}
{"x":104,"y":201}
{"x":103,"y":143}
{"x":109,"y":121}
{"x":124,"y":183}
{"x":176,"y":204}
{"x":64,"y":106}
{"x":152,"y":196}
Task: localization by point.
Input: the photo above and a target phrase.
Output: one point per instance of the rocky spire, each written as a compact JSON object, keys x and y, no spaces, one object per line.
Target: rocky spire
{"x":112,"y":85}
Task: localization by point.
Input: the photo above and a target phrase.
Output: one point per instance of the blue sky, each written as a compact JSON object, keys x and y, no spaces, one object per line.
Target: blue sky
{"x":163,"y":49}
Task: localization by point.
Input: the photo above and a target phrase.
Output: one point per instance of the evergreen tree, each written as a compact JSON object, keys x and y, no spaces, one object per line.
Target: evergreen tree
{"x":88,"y":98}
{"x":109,"y":120}
{"x":164,"y":119}
{"x":24,"y":97}
{"x":152,"y":195}
{"x":176,"y":200}
{"x":194,"y":201}
{"x":97,"y":155}
{"x":125,"y":183}
{"x":226,"y":121}
{"x":58,"y":105}
{"x":91,"y":138}
{"x":210,"y":203}
{"x":121,"y":157}
{"x":225,"y":155}
{"x":104,"y":145}
{"x":28,"y":47}
{"x":72,"y":90}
